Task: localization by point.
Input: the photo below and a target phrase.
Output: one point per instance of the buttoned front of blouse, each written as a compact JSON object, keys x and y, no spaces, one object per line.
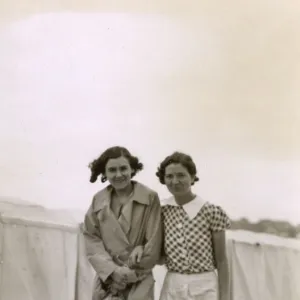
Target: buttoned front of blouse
{"x":188,"y":243}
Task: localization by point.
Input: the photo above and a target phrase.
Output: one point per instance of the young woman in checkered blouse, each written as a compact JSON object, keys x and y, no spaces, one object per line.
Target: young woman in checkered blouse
{"x":194,"y":242}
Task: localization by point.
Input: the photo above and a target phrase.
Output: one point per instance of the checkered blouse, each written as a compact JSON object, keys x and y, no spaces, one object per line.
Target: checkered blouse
{"x":188,"y":237}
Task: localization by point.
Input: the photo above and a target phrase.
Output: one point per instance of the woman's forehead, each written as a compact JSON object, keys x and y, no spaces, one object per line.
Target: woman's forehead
{"x":117,"y":162}
{"x":175,"y":168}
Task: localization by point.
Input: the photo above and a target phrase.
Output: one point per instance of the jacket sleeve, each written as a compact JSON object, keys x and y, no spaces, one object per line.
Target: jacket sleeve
{"x":154,"y":236}
{"x":162,"y":259}
{"x":98,"y":257}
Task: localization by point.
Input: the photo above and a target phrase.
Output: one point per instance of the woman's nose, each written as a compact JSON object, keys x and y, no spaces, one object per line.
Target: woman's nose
{"x":175,"y":181}
{"x":118,"y":173}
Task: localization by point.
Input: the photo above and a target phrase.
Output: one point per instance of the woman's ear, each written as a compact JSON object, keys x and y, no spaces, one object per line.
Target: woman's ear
{"x":193,"y":179}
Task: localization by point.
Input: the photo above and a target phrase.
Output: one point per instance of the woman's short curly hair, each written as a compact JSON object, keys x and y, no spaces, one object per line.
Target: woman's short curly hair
{"x":98,"y":165}
{"x":177,"y":158}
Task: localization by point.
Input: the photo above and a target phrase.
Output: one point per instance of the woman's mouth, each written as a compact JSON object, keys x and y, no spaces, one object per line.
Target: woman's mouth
{"x":177,"y":187}
{"x":120,"y":180}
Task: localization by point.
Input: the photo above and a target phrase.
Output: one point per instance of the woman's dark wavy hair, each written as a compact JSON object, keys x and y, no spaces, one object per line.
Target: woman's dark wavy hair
{"x":177,"y":158}
{"x":98,"y":165}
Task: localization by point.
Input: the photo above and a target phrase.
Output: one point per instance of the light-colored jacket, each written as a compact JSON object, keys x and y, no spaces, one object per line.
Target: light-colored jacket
{"x":107,"y":237}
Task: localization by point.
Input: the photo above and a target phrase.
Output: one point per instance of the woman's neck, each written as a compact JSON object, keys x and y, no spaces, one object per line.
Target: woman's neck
{"x":186,"y":198}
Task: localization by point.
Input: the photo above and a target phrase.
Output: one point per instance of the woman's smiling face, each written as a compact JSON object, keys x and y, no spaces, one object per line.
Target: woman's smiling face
{"x":177,"y":179}
{"x":118,"y":172}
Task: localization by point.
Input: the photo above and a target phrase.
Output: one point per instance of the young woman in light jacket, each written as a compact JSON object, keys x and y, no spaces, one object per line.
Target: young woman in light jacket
{"x":122,"y":229}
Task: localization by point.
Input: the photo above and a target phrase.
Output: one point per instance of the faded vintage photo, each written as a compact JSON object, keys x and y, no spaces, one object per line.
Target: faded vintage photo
{"x":149,"y":150}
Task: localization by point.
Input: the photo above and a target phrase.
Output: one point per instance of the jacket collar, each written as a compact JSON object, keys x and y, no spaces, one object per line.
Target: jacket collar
{"x":140,"y":194}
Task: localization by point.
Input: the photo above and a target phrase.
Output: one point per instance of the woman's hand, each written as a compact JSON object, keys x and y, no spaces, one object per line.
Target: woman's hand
{"x":123,"y":275}
{"x":135,"y":256}
{"x":115,"y":287}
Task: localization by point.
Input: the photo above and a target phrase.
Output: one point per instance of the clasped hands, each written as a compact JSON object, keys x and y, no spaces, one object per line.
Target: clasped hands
{"x":124,"y":275}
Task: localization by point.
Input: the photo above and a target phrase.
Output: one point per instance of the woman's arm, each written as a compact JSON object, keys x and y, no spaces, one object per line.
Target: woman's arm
{"x":219,"y":223}
{"x":219,"y":243}
{"x":98,"y":257}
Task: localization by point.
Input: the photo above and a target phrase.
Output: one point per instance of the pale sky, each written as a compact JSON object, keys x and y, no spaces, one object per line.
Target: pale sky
{"x":221,"y":85}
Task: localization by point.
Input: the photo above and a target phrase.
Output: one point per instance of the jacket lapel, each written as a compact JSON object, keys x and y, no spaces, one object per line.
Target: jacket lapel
{"x":107,"y":217}
{"x":139,"y":196}
{"x":125,"y":217}
{"x":124,"y":223}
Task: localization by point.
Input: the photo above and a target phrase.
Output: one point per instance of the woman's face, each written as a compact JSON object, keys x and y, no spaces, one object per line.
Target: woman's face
{"x":118,"y":172}
{"x":177,"y":179}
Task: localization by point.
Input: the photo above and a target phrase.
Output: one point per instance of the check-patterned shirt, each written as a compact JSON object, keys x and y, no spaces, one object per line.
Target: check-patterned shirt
{"x":188,"y":234}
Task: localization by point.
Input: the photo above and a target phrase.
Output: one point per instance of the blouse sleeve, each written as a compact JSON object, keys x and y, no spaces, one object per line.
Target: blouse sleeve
{"x":219,"y":221}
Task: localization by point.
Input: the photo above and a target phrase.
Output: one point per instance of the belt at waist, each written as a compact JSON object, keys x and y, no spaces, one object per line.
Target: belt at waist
{"x":189,"y":272}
